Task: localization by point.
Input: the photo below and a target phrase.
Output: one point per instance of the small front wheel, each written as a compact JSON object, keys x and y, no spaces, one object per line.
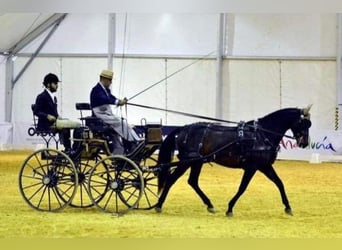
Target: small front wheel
{"x":116,"y":184}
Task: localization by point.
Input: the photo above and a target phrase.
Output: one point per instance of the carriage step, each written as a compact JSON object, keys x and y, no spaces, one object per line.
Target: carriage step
{"x":46,"y":156}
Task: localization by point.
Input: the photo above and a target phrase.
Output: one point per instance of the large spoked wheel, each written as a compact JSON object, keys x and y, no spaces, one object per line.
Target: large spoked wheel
{"x":82,"y":197}
{"x":116,"y":184}
{"x":48,"y":180}
{"x":149,"y":198}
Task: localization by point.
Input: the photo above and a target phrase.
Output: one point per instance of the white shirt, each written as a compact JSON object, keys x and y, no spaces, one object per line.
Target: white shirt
{"x":52,"y":95}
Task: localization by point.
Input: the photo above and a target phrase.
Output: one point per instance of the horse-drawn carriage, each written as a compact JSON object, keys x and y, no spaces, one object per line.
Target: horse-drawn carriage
{"x":50,"y":179}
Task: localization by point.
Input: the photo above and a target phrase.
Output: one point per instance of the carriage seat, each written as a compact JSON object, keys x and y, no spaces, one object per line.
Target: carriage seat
{"x":96,"y":125}
{"x":38,"y":131}
{"x":48,"y":135}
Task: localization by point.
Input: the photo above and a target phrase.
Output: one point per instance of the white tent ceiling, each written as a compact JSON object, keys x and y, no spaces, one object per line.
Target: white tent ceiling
{"x":15,"y":26}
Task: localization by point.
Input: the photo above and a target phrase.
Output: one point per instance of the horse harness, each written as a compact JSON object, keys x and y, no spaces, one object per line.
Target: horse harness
{"x":250,"y":140}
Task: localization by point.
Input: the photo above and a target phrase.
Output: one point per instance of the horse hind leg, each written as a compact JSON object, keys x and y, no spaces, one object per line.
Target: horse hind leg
{"x":271,"y":174}
{"x":195,"y":171}
{"x":178,"y":172}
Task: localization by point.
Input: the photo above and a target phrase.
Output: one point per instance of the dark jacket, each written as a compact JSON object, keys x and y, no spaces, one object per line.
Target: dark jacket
{"x":99,"y":96}
{"x":45,"y":106}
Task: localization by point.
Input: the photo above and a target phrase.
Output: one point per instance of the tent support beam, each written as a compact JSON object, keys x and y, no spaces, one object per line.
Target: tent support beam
{"x":111,"y":39}
{"x":46,"y":39}
{"x":55,"y":19}
{"x":8,"y":89}
{"x":36,"y":32}
{"x":219,"y":65}
{"x":338,"y":119}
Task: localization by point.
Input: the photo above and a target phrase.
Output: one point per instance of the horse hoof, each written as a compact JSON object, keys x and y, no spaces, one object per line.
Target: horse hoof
{"x":288,"y":211}
{"x":211,"y":210}
{"x":158,"y":209}
{"x":229,"y":214}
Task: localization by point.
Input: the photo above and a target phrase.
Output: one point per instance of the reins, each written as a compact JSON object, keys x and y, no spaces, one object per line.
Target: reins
{"x":208,"y":118}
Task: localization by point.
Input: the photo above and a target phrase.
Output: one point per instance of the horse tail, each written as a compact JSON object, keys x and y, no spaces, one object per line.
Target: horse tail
{"x":166,"y":152}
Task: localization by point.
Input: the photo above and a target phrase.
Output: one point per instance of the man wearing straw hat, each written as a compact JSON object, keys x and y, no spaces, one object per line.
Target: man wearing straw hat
{"x":46,"y":110}
{"x":100,"y":101}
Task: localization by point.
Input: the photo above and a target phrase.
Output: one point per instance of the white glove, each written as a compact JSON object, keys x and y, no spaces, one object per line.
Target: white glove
{"x":122,"y":102}
{"x":51,"y":118}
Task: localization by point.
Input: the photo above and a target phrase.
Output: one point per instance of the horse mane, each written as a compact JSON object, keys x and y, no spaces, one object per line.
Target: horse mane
{"x":279,"y":116}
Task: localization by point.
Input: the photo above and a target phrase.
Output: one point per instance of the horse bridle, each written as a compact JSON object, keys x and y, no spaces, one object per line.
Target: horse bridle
{"x":305,"y":123}
{"x":305,"y":116}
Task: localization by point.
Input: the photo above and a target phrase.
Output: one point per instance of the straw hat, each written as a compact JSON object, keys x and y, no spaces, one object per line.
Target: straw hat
{"x":107,"y":74}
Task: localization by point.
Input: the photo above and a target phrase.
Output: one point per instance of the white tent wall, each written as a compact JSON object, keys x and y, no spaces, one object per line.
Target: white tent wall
{"x":134,"y":75}
{"x":251,"y":88}
{"x":270,"y":61}
{"x":305,"y":82}
{"x":192,"y":90}
{"x":254,"y":88}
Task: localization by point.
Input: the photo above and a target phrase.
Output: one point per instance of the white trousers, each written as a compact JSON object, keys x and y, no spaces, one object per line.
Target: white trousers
{"x":120,"y":126}
{"x":66,"y":123}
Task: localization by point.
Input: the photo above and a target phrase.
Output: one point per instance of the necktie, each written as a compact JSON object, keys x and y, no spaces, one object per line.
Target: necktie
{"x":55,"y":99}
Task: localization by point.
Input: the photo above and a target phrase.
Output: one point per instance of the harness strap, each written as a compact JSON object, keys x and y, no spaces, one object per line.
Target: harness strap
{"x":240,"y":129}
{"x":195,"y":151}
{"x":200,"y":145}
{"x":207,"y":118}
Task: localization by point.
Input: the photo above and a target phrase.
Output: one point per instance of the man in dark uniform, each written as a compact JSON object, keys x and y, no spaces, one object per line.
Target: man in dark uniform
{"x":46,"y":110}
{"x":101,"y":100}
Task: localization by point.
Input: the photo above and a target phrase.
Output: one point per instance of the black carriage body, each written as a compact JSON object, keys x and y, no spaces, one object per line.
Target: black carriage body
{"x":50,"y":180}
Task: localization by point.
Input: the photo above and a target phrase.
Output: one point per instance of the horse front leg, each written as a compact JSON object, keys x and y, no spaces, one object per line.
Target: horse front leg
{"x":178,"y":172}
{"x":246,"y":178}
{"x":195,"y":171}
{"x":271,"y":174}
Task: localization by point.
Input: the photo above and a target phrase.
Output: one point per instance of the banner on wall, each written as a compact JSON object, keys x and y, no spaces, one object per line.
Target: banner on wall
{"x":23,"y":140}
{"x":327,"y":144}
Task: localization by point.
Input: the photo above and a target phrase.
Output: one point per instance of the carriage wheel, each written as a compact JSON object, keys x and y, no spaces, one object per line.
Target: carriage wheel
{"x":150,"y":195}
{"x":82,"y":198}
{"x":48,"y":180}
{"x":116,"y":184}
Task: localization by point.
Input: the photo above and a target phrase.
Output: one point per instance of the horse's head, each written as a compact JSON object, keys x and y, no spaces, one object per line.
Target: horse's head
{"x":300,"y":128}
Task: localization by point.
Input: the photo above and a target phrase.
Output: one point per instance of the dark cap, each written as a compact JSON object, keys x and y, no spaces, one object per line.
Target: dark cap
{"x":49,"y":78}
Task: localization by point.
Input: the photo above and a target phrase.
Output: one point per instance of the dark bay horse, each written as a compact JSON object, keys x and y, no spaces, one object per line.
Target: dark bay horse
{"x":251,"y":146}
